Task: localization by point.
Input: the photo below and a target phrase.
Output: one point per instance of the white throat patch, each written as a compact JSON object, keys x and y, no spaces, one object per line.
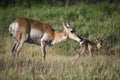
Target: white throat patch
{"x":59,"y":39}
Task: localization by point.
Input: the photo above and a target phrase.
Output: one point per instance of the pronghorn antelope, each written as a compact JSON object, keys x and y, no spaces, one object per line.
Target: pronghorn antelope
{"x":36,"y":32}
{"x":90,"y":46}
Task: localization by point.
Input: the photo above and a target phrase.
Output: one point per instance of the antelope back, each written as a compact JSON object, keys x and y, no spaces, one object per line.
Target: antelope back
{"x":34,"y":30}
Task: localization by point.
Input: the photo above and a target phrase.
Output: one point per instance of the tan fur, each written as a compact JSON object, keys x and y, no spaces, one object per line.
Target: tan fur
{"x":90,"y":46}
{"x":36,"y":32}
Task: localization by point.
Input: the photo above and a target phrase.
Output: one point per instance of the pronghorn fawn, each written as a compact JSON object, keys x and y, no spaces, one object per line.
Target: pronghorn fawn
{"x":36,"y":32}
{"x":86,"y":44}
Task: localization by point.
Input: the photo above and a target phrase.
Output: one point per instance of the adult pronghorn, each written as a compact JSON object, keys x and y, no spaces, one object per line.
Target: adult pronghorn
{"x":86,"y":44}
{"x":36,"y":32}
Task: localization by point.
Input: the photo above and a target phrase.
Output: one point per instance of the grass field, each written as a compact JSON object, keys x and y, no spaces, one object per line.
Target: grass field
{"x":101,"y":20}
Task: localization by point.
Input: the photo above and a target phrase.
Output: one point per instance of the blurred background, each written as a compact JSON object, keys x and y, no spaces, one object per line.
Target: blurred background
{"x":6,"y":3}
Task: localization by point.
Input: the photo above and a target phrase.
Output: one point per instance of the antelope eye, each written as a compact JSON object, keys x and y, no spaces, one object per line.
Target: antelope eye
{"x":100,"y":43}
{"x":72,"y":31}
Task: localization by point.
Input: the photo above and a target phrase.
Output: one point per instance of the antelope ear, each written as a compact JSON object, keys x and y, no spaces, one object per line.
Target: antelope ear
{"x":103,"y":39}
{"x":64,"y":25}
{"x":74,"y":28}
{"x":68,"y":24}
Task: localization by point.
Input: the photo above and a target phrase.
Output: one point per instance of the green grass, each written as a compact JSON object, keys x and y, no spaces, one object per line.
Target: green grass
{"x":99,"y":20}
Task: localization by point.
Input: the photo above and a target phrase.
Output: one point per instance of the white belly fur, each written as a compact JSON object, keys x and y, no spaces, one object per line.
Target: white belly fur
{"x":36,"y":35}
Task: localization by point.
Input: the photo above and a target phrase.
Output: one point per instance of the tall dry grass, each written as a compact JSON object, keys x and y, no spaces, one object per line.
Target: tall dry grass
{"x":30,"y":66}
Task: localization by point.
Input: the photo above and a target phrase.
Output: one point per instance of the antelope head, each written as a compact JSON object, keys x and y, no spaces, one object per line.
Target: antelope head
{"x":71,"y":33}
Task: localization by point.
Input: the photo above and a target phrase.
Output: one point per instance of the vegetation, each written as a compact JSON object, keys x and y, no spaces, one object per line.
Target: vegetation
{"x":100,"y":20}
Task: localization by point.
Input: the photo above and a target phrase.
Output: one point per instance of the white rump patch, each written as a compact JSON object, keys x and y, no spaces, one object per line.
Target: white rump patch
{"x":13,"y":28}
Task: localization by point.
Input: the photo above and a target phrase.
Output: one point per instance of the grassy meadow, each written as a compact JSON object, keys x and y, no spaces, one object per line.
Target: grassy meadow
{"x":100,"y":20}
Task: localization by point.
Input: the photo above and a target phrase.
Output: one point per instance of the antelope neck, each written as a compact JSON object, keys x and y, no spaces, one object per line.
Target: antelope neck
{"x":59,"y":36}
